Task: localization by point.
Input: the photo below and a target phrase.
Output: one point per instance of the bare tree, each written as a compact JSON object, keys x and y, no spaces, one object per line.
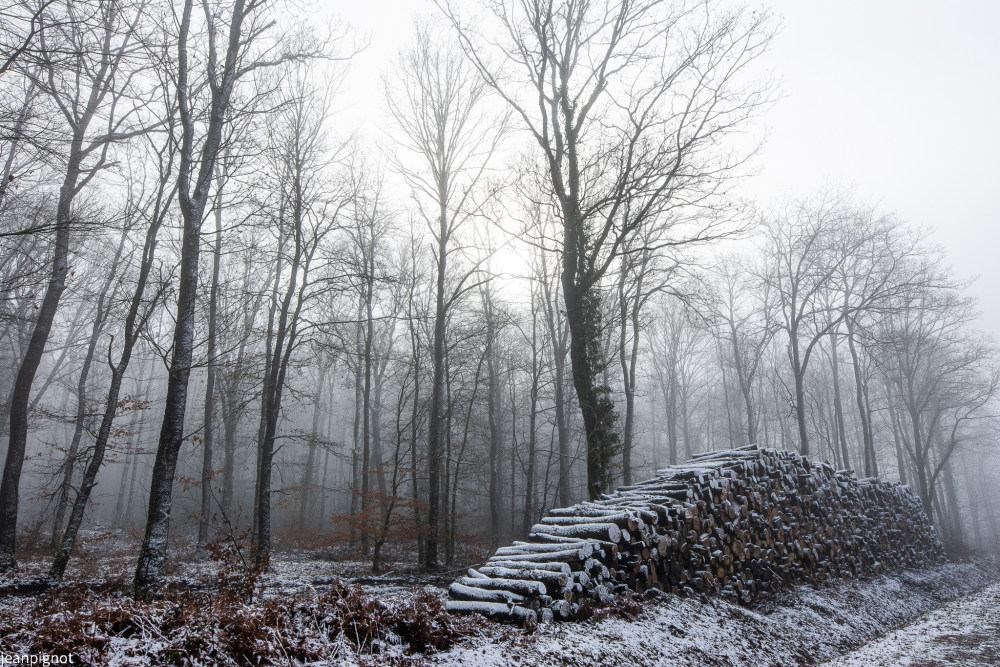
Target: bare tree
{"x":90,"y":90}
{"x":891,"y":262}
{"x":211,"y":362}
{"x":494,"y":318}
{"x":304,"y":211}
{"x":627,"y":101}
{"x":102,"y":310}
{"x":141,"y":306}
{"x":742,"y":317}
{"x":642,"y":274}
{"x":804,"y":256}
{"x":558,"y":334}
{"x":309,"y":473}
{"x":367,"y":263}
{"x":236,"y":374}
{"x":675,"y":343}
{"x":537,"y":342}
{"x":21,"y":25}
{"x":438,"y":113}
{"x":234,"y":31}
{"x":941,"y":376}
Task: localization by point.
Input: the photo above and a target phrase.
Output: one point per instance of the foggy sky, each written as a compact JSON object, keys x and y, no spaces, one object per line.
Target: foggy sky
{"x":895,"y":100}
{"x":898,"y":100}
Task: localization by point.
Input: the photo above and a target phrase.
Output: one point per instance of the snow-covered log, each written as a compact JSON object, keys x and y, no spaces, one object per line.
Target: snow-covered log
{"x":557,"y":566}
{"x":525,"y":587}
{"x":459,"y":591}
{"x":565,"y":556}
{"x":496,"y":610}
{"x":601,"y":531}
{"x":550,"y":579}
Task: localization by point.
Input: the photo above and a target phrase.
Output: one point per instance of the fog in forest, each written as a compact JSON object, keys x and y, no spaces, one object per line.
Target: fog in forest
{"x":392,"y":281}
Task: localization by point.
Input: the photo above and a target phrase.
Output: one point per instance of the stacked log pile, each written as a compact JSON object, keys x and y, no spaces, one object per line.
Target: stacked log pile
{"x":737,"y":523}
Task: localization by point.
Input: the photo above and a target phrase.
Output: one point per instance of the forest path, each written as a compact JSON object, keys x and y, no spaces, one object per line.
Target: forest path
{"x":964,"y":632}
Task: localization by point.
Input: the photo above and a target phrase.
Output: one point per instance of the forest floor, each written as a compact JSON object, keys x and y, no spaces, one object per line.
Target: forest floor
{"x":316,"y":607}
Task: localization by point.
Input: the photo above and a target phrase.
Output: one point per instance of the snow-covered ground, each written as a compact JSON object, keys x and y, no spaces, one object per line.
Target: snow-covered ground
{"x":957,"y":604}
{"x":963,"y":632}
{"x":809,"y":625}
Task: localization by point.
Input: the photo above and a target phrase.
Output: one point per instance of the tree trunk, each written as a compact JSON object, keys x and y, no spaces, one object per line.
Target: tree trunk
{"x":557,"y":335}
{"x":670,"y":391}
{"x":205,"y":515}
{"x":628,"y":357}
{"x":512,"y":467}
{"x":838,"y":407}
{"x":366,"y":403}
{"x":232,"y":405}
{"x":450,"y":518}
{"x":686,"y":423}
{"x":860,"y":391}
{"x":135,"y":321}
{"x":529,"y":483}
{"x":596,"y":408}
{"x":798,"y":373}
{"x":414,"y":429}
{"x":307,"y":474}
{"x":69,"y":467}
{"x":378,"y":383}
{"x":492,"y":408}
{"x":745,"y":378}
{"x":356,"y":472}
{"x":436,"y":417}
{"x":123,"y":504}
{"x":17,"y":436}
{"x":285,"y":338}
{"x":153,"y":553}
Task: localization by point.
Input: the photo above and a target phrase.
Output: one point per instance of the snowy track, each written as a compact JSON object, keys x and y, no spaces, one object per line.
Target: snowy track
{"x":807,"y":627}
{"x":964,"y":632}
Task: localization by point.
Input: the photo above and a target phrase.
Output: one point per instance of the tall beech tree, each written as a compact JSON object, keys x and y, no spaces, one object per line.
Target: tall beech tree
{"x":627,"y":100}
{"x":303,"y":211}
{"x":439,"y":113}
{"x":233,"y":37}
